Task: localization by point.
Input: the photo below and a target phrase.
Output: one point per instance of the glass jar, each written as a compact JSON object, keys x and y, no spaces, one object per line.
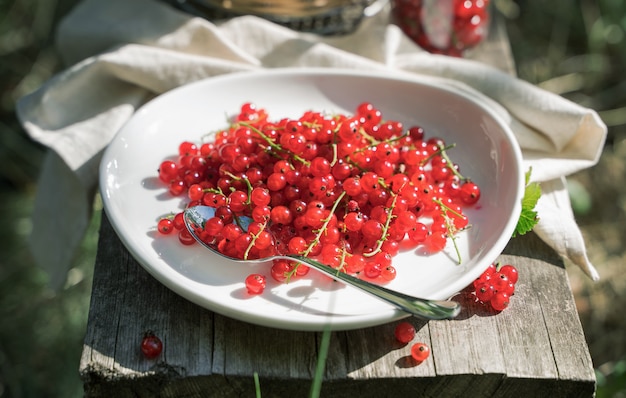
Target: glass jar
{"x":443,"y":26}
{"x":324,"y":17}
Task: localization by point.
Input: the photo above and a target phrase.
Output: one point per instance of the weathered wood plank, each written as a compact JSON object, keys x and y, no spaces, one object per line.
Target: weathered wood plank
{"x":208,"y":352}
{"x":544,"y":276}
{"x":272,"y":353}
{"x":373,"y":353}
{"x":522,"y":330}
{"x":468,"y":344}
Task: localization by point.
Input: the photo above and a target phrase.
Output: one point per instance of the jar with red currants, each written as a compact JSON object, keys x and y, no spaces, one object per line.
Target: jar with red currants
{"x":443,"y":26}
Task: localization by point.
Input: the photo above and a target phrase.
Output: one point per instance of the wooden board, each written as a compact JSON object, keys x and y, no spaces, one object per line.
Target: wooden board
{"x":536,"y":346}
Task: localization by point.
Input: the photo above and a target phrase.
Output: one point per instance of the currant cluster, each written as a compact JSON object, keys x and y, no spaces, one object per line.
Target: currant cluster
{"x":496,"y":285}
{"x":405,"y":333}
{"x":348,"y":190}
{"x":469,"y":21}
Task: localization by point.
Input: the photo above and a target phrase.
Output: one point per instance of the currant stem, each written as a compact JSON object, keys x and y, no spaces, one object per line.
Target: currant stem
{"x":321,"y":230}
{"x":443,"y":152}
{"x":311,"y":124}
{"x":355,"y":164}
{"x":373,"y":141}
{"x":206,"y":137}
{"x":335,"y":154}
{"x":456,"y":247}
{"x":272,"y":144}
{"x":245,"y":180}
{"x":450,"y":226}
{"x":168,"y":216}
{"x":262,"y":135}
{"x":383,"y":238}
{"x":318,"y":235}
{"x":254,"y":238}
{"x":447,"y":208}
{"x":342,"y":260}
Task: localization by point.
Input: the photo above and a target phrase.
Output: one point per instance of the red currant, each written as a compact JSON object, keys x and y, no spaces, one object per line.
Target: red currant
{"x":281,"y":215}
{"x":470,"y":193}
{"x":276,"y":181}
{"x":151,"y":345}
{"x":165,"y":226}
{"x":214,"y":226}
{"x":435,"y":241}
{"x":355,"y":264}
{"x":177,"y":187}
{"x":195,"y":192}
{"x":187,"y":148}
{"x":388,"y":273}
{"x":280,"y":270}
{"x":185,"y":237}
{"x":168,"y":171}
{"x":500,"y":301}
{"x":372,"y":230}
{"x":420,"y":352}
{"x":510,"y":272}
{"x":500,"y":281}
{"x":260,"y":196}
{"x":404,"y":332}
{"x":255,"y":283}
{"x":354,"y":221}
{"x":372,"y":270}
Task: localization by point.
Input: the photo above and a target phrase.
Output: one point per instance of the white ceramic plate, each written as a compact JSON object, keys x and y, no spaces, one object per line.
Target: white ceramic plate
{"x":134,"y":199}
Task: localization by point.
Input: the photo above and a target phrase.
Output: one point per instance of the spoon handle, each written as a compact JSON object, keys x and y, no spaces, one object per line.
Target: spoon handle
{"x":427,"y":309}
{"x":422,"y":308}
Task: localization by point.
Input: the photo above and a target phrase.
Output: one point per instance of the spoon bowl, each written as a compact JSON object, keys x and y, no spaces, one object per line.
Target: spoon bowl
{"x":196,"y":216}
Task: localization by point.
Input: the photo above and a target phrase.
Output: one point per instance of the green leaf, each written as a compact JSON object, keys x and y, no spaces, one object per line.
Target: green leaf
{"x":528,"y":217}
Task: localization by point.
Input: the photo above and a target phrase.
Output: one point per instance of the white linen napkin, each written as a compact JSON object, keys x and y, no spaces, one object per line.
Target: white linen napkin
{"x":125,"y":52}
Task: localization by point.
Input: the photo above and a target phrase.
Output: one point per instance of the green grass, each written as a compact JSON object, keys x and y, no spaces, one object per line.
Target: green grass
{"x":577,"y":49}
{"x":42,"y":330}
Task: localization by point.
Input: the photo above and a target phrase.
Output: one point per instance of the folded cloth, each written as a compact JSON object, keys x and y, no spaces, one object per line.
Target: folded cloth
{"x":125,"y":52}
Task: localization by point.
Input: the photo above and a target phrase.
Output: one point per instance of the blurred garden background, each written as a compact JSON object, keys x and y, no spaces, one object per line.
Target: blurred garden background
{"x":576,"y":48}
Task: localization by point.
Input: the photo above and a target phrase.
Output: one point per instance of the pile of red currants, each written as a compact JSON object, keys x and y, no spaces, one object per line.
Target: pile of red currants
{"x":348,"y":190}
{"x":496,"y":285}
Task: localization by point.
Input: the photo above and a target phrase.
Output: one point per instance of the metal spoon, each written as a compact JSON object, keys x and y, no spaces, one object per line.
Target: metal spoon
{"x":196,"y":216}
